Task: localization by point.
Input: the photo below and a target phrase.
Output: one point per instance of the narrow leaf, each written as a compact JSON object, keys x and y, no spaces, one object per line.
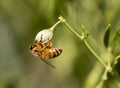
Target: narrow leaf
{"x":116,"y":42}
{"x":107,"y":35}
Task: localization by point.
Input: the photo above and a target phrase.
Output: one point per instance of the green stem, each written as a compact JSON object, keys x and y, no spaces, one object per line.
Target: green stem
{"x":53,"y":27}
{"x":84,"y":40}
{"x":93,"y":52}
{"x":71,"y":29}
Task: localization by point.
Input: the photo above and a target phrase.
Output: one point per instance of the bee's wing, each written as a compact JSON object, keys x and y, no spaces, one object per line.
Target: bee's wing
{"x":48,"y":63}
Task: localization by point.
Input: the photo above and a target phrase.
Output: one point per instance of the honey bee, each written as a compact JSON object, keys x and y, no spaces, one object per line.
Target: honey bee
{"x":44,"y":51}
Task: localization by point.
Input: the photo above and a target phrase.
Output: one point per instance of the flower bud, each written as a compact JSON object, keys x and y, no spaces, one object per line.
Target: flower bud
{"x":44,"y":35}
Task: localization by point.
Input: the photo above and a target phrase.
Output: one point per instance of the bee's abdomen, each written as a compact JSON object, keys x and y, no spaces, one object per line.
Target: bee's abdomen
{"x":56,"y":51}
{"x":50,"y":53}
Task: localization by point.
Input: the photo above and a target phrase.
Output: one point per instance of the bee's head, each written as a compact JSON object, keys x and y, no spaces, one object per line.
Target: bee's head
{"x":32,"y":45}
{"x":35,"y":48}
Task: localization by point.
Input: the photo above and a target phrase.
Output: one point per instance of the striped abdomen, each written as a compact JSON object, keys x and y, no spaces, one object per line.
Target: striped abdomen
{"x":50,"y":53}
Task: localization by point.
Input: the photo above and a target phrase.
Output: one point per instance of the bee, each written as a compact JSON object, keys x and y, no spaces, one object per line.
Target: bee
{"x":44,"y":51}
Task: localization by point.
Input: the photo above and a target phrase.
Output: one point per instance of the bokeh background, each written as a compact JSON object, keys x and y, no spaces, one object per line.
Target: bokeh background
{"x":21,"y":20}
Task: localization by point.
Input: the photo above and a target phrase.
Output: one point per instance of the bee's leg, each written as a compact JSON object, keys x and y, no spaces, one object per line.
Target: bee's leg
{"x":40,"y":42}
{"x":41,"y":38}
{"x":48,"y":63}
{"x":48,"y":44}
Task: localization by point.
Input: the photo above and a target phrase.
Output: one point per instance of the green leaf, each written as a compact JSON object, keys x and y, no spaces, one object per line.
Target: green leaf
{"x":116,"y":43}
{"x":107,"y":35}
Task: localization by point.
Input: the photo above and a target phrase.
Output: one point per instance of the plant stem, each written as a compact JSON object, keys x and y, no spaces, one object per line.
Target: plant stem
{"x":53,"y":27}
{"x":71,"y":29}
{"x":84,"y":40}
{"x":93,"y":52}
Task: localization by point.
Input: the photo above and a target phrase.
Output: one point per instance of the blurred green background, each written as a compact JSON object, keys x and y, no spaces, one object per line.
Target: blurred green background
{"x":21,"y":20}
